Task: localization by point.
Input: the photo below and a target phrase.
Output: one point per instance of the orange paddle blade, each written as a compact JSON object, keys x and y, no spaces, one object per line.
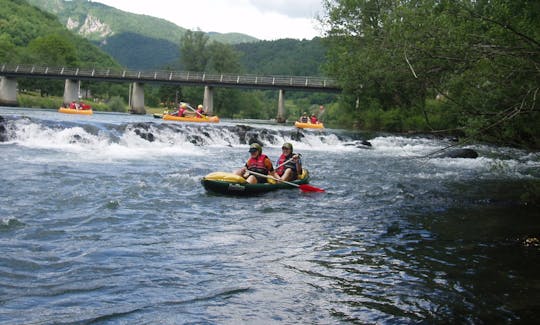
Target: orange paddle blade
{"x":310,"y":188}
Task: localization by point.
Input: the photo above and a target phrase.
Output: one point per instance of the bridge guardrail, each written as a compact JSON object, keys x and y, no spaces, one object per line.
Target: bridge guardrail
{"x":300,"y":82}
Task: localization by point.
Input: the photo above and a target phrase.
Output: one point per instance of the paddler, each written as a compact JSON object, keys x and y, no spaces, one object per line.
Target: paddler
{"x":289,"y":164}
{"x":259,"y":163}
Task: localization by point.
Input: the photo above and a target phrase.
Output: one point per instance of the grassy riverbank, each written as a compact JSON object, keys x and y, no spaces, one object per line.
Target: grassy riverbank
{"x":115,"y":104}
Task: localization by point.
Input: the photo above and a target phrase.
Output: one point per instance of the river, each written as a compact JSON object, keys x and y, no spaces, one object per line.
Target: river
{"x":103,"y":220}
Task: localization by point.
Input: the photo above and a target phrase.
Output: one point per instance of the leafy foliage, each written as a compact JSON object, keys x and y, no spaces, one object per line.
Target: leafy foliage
{"x":482,"y":55}
{"x":136,"y":51}
{"x":283,"y":57}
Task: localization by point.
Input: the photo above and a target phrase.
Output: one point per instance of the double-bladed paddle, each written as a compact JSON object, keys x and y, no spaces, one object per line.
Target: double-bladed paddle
{"x":302,"y":187}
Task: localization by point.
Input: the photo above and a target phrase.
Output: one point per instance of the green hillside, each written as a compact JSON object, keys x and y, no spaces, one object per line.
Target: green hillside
{"x":283,"y":57}
{"x":136,"y":41}
{"x":98,"y":22}
{"x":30,"y":35}
{"x":135,"y":51}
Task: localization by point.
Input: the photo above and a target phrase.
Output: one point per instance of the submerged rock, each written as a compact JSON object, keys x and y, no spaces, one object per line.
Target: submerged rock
{"x":3,"y":131}
{"x":459,"y":153}
{"x":362,"y":144}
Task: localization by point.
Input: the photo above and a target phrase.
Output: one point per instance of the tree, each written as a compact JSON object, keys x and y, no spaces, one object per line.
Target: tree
{"x":7,"y":48}
{"x":481,"y":54}
{"x":193,"y":55}
{"x":222,"y":58}
{"x":52,"y":50}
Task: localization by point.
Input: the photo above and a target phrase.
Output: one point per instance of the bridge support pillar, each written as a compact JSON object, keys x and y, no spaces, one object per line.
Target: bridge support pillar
{"x":208,"y":101}
{"x":71,"y":91}
{"x":8,"y":91}
{"x":281,"y":107}
{"x":137,"y":99}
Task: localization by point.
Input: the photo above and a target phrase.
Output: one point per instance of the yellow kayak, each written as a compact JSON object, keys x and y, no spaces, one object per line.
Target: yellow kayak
{"x":207,"y":119}
{"x":308,"y":125}
{"x":67,"y":110}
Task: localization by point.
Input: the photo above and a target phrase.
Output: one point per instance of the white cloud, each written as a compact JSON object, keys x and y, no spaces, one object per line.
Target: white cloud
{"x":294,"y":9}
{"x":267,"y":20}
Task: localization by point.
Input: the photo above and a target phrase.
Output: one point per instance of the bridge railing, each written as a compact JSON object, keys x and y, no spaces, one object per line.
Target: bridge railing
{"x":305,"y":82}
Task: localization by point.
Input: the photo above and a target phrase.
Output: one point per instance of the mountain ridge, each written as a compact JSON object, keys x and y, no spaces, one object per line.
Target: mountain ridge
{"x":96,"y":22}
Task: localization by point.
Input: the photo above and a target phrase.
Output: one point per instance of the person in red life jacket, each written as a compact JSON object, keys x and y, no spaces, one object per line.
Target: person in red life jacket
{"x":200,"y":111}
{"x":313,"y":119}
{"x":289,"y":165}
{"x":259,"y":163}
{"x":181,"y":110}
{"x":72,"y":105}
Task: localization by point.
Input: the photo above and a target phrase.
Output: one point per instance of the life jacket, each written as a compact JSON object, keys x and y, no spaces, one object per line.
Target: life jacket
{"x":313,"y":120}
{"x":200,"y":113}
{"x":291,"y":164}
{"x":304,"y":119}
{"x":181,"y":112}
{"x":257,"y":164}
{"x":72,"y":105}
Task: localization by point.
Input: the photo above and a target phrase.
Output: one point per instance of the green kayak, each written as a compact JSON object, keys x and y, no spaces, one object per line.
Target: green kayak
{"x":231,"y":184}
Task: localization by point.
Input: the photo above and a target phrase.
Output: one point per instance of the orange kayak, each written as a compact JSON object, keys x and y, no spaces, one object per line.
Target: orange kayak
{"x":301,"y":125}
{"x":67,"y":110}
{"x":207,"y":119}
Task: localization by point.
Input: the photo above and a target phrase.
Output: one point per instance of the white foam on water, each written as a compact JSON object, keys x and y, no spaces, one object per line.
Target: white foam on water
{"x":97,"y":147}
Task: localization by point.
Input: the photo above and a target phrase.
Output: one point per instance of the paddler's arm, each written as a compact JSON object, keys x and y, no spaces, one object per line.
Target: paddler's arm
{"x":270,"y":167}
{"x":298,"y":162}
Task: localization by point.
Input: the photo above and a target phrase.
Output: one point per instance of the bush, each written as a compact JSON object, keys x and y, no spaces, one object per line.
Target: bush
{"x":117,"y":104}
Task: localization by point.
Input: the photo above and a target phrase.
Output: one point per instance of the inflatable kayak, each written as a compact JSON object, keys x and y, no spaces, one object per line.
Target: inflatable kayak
{"x":207,"y":119}
{"x":75,"y":111}
{"x":232,"y":184}
{"x":301,"y":125}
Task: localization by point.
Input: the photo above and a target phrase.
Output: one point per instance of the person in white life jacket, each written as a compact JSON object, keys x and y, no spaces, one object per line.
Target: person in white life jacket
{"x":259,"y":163}
{"x":289,"y":164}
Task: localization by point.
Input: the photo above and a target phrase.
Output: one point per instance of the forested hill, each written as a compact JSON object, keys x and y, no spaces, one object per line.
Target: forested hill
{"x":136,"y":41}
{"x":30,"y":35}
{"x":98,"y":22}
{"x":285,"y":57}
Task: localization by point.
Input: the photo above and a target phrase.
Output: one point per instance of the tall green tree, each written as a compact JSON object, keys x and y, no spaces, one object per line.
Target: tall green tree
{"x":200,"y":56}
{"x":193,"y":55}
{"x":482,"y":55}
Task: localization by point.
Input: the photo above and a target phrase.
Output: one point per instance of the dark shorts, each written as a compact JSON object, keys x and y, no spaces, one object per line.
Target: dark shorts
{"x":261,"y":180}
{"x":294,"y":175}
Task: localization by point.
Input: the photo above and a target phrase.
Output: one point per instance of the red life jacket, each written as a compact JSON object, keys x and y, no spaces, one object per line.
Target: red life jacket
{"x":290,"y":164}
{"x":257,"y":164}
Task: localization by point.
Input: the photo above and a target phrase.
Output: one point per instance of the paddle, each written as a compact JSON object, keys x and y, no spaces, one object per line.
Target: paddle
{"x":302,"y":187}
{"x":286,"y":162}
{"x":194,"y":110}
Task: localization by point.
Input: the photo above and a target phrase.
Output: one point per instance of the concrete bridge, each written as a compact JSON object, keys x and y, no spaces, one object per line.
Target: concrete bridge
{"x":72,"y":76}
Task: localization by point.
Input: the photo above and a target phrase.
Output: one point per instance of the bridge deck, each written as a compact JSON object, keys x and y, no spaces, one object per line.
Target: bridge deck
{"x":302,"y":83}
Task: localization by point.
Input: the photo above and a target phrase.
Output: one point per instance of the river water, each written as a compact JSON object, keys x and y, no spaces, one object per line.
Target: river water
{"x":103,"y":220}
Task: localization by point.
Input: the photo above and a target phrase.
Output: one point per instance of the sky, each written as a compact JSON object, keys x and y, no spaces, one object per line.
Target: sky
{"x":263,"y":19}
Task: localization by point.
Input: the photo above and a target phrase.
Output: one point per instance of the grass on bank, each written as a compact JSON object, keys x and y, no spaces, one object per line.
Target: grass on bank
{"x":114,"y":104}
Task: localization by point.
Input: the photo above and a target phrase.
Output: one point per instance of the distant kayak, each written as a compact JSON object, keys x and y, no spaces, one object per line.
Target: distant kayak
{"x":206,"y":119}
{"x":232,"y":184}
{"x":301,"y":125}
{"x":87,"y":111}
